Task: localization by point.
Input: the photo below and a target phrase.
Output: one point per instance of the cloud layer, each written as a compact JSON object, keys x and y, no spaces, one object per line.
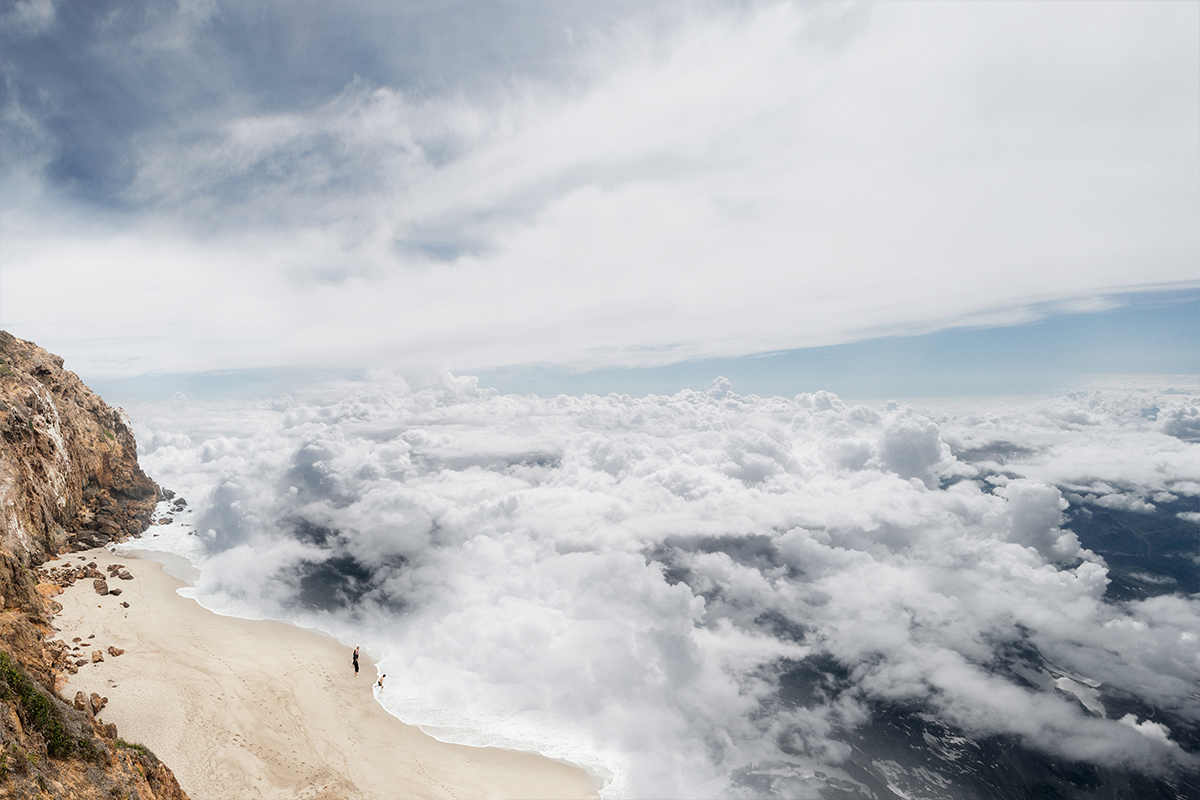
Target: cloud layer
{"x":473,"y":185}
{"x":642,"y":585}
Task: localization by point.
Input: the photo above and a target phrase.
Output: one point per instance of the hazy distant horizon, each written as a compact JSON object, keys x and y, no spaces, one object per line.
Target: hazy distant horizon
{"x":1151,"y":334}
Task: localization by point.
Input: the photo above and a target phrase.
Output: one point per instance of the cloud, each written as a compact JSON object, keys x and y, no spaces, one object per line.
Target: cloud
{"x":1181,"y":421}
{"x":30,"y":16}
{"x":633,"y":583}
{"x":631,"y":198}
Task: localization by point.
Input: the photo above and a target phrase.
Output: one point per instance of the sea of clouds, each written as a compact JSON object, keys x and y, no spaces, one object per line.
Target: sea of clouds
{"x":623,"y":582}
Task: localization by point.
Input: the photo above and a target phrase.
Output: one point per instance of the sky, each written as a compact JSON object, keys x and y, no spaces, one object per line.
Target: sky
{"x":603,"y":197}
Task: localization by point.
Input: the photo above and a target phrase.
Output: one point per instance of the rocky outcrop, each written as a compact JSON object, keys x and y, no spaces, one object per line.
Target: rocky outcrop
{"x":69,"y":479}
{"x":51,"y":748}
{"x":69,"y":476}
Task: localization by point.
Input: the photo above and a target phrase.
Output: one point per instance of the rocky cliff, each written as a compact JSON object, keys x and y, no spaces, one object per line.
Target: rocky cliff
{"x":69,"y":479}
{"x":68,"y":464}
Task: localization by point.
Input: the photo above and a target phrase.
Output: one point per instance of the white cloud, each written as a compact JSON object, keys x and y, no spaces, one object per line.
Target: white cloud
{"x":622,"y":581}
{"x":824,"y":175}
{"x":1152,"y":730}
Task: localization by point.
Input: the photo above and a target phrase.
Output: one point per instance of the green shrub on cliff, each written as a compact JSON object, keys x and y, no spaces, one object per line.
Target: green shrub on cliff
{"x":141,"y":748}
{"x":36,"y":708}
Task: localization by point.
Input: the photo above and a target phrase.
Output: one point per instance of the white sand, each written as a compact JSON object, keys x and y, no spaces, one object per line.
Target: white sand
{"x":245,"y":709}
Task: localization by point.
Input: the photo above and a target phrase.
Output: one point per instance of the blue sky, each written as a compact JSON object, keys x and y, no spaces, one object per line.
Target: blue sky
{"x":1156,"y":333}
{"x":889,"y":198}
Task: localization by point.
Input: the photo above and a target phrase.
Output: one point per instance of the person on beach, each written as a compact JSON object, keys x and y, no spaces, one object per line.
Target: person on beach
{"x":379,"y":682}
{"x":356,"y":662}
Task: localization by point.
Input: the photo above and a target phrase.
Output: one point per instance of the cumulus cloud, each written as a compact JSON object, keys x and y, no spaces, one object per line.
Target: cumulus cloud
{"x":681,"y":592}
{"x":1181,"y":421}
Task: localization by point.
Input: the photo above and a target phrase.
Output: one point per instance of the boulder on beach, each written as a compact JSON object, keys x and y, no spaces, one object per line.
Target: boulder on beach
{"x":115,"y":651}
{"x":101,"y":586}
{"x":97,"y":656}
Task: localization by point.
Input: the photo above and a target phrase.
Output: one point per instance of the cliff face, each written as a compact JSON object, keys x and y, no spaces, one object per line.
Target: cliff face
{"x":69,"y":475}
{"x":69,"y":479}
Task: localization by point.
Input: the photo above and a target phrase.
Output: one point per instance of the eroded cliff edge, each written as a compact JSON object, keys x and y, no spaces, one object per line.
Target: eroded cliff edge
{"x":69,"y":480}
{"x":68,"y":465}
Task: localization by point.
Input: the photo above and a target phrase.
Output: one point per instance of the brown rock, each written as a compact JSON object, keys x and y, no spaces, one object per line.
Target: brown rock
{"x":97,"y":703}
{"x":115,"y":651}
{"x":60,"y":439}
{"x":81,"y":702}
{"x":97,"y":656}
{"x":101,"y":586}
{"x":125,"y":575}
{"x":113,"y":592}
{"x":69,"y":479}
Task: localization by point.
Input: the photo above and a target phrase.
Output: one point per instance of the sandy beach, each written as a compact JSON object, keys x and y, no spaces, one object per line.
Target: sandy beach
{"x":257,"y":709}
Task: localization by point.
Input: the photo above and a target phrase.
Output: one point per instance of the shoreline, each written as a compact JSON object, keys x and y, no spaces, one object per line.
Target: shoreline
{"x":265,"y":709}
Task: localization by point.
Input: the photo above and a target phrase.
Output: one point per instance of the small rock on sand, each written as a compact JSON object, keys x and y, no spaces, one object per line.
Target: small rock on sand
{"x":97,"y":656}
{"x":101,"y":586}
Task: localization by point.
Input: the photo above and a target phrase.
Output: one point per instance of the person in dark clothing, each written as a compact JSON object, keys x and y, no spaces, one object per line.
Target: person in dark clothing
{"x":356,"y":662}
{"x":379,"y":682}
